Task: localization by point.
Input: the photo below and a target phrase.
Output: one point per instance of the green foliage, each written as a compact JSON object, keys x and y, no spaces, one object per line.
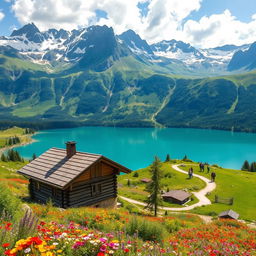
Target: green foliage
{"x":14,"y":156}
{"x":246,"y":166}
{"x":235,"y":184}
{"x":136,"y":174}
{"x":4,"y":158}
{"x":155,"y":187}
{"x":168,"y":158}
{"x":146,"y":230}
{"x":12,"y":141}
{"x":185,"y":158}
{"x":253,"y":167}
{"x":27,"y":225}
{"x":9,"y":203}
{"x":249,"y":167}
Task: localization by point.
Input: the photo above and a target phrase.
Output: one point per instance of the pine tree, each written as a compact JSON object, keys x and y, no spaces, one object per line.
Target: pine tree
{"x":136,"y":174}
{"x":253,"y":167}
{"x":3,"y":158}
{"x":34,"y":156}
{"x":246,"y":166}
{"x":185,"y":158}
{"x":14,"y":156}
{"x":168,"y":159}
{"x":128,"y":183}
{"x":154,"y":188}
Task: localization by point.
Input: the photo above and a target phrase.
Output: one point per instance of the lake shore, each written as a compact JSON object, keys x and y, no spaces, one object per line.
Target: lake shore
{"x":31,"y":140}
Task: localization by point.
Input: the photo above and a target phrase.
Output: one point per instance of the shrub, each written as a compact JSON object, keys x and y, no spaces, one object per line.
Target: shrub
{"x":9,"y":203}
{"x":27,"y":225}
{"x":145,"y":229}
{"x":136,"y":174}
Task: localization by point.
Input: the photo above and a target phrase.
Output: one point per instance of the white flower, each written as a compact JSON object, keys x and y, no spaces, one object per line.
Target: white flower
{"x":27,"y":250}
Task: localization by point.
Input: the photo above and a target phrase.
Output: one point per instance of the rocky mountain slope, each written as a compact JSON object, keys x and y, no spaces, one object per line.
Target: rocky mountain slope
{"x":94,"y":77}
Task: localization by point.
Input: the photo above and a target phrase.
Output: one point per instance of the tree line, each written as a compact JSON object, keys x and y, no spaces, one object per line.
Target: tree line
{"x":11,"y":156}
{"x":12,"y":141}
{"x":250,"y":167}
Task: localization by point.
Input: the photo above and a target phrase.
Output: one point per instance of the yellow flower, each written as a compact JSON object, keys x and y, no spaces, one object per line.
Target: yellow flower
{"x":13,"y":251}
{"x":59,"y":251}
{"x":41,"y":248}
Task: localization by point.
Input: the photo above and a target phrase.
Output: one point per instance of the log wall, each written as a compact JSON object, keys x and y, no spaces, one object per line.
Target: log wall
{"x":81,"y":194}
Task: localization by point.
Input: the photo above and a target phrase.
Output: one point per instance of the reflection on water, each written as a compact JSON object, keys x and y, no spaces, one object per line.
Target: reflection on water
{"x":136,"y":147}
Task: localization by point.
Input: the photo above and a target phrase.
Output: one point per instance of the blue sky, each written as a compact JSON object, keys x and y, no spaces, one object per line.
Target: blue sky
{"x":154,"y":20}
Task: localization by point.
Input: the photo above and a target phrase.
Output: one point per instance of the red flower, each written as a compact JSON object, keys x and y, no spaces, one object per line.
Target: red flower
{"x":100,"y":254}
{"x":5,"y":245}
{"x":8,"y":253}
{"x":36,"y":240}
{"x":126,"y":250}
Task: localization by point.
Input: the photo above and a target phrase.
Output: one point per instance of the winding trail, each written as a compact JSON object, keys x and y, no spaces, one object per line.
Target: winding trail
{"x":200,"y":195}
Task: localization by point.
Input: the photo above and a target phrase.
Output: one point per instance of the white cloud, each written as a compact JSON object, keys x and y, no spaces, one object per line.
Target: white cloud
{"x":1,"y":15}
{"x":164,"y":19}
{"x":219,"y":29}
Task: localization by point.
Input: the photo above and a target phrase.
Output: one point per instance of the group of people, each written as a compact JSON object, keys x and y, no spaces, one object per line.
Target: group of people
{"x":202,"y":165}
{"x":201,"y":168}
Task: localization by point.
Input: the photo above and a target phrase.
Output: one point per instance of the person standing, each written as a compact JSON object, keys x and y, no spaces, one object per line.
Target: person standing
{"x":192,"y":172}
{"x":213,"y":176}
{"x":208,"y":168}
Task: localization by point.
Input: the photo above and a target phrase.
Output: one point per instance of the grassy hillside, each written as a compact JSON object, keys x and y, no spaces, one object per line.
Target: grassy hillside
{"x":14,"y":132}
{"x":171,"y":180}
{"x":97,"y":232}
{"x":236,"y":184}
{"x":128,"y":92}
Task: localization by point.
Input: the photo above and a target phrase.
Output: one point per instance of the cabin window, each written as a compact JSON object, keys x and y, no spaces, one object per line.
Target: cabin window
{"x":37,"y":186}
{"x":96,"y":189}
{"x":96,"y":171}
{"x":54,"y":192}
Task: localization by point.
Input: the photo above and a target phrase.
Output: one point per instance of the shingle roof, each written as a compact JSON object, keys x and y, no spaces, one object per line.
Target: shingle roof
{"x":55,"y":168}
{"x":229,"y":213}
{"x":177,"y":194}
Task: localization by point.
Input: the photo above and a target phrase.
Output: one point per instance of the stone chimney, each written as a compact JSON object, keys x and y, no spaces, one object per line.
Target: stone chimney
{"x":71,"y":148}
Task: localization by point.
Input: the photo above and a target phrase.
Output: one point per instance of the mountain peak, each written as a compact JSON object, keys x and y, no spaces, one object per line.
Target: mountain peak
{"x":243,"y":59}
{"x":135,"y":42}
{"x":26,"y":29}
{"x":30,"y":31}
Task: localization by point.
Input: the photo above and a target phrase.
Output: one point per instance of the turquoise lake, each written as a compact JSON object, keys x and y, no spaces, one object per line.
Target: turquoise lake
{"x":136,"y":147}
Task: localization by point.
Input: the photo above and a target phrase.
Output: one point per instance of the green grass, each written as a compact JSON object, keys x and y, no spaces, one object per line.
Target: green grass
{"x":172,"y":180}
{"x":12,"y":63}
{"x":231,"y":183}
{"x":11,"y":132}
{"x":9,"y":176}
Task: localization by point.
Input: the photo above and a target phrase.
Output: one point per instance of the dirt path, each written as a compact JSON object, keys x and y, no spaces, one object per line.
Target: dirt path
{"x":200,"y":195}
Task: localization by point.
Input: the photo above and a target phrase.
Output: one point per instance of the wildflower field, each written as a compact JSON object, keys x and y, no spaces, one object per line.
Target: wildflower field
{"x":34,"y":229}
{"x":101,"y":232}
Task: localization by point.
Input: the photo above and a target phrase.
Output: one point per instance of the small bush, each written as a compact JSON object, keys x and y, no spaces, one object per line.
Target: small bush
{"x":146,"y":230}
{"x":9,"y":203}
{"x":212,"y":213}
{"x":136,"y":174}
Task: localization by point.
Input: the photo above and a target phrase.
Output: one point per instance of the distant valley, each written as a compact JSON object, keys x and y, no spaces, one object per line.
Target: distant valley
{"x":93,"y":77}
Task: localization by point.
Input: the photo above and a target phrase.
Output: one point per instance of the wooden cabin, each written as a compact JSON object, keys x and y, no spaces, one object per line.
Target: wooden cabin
{"x":177,"y":196}
{"x":229,"y":214}
{"x":73,"y":179}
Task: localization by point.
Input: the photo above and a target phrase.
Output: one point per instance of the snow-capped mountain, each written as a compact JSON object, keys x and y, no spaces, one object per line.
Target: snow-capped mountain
{"x":135,"y":43}
{"x":55,"y":45}
{"x":190,"y":55}
{"x":177,"y":50}
{"x":85,"y":45}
